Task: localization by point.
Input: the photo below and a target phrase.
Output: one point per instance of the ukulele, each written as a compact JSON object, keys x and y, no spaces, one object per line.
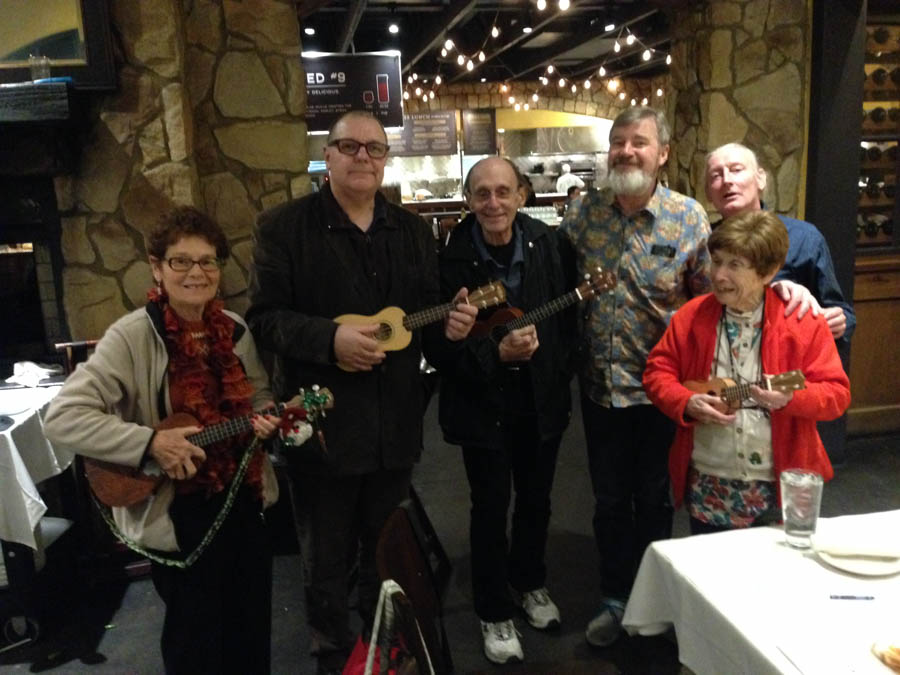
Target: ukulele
{"x":118,"y":485}
{"x":508,"y":319}
{"x":731,"y":395}
{"x":395,"y":327}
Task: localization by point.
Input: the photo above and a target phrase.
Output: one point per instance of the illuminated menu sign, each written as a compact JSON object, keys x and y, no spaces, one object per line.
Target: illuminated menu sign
{"x":425,"y":133}
{"x":339,"y":83}
{"x":480,"y":132}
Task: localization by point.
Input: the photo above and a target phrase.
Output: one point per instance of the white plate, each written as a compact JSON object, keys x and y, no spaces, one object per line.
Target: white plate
{"x":869,"y":567}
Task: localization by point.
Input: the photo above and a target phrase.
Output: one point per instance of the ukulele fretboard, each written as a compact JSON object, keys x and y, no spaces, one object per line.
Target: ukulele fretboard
{"x":427,"y":316}
{"x":228,"y":428}
{"x":544,"y":311}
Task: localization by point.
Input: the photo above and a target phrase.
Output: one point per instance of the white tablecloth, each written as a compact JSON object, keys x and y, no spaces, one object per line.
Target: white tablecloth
{"x":745,"y":602}
{"x":26,"y":458}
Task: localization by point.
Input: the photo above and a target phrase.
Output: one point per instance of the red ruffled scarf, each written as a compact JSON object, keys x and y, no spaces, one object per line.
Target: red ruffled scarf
{"x":190,"y":364}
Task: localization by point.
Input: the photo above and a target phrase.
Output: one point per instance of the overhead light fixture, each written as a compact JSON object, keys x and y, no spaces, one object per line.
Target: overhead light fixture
{"x":406,"y":95}
{"x":481,"y":56}
{"x":438,"y":79}
{"x":610,"y":26}
{"x":393,"y":29}
{"x":612,"y":85}
{"x":484,"y":79}
{"x":503,"y":88}
{"x":668,"y":59}
{"x":633,"y":102}
{"x":525,"y":106}
{"x":646,"y":55}
{"x":460,"y":59}
{"x":562,"y":82}
{"x":534,"y":97}
{"x":541,"y":5}
{"x":550,"y":70}
{"x":526,"y":29}
{"x":409,"y":79}
{"x":574,"y":88}
{"x":470,"y":65}
{"x":418,"y":91}
{"x":448,"y":45}
{"x":587,"y":84}
{"x":495,"y":32}
{"x":518,"y":107}
{"x":659,"y":92}
{"x":621,"y":95}
{"x":629,"y":40}
{"x":617,"y":47}
{"x":644,"y":101}
{"x":602,"y":71}
{"x":443,"y":52}
{"x":564,"y":5}
{"x":415,"y":76}
{"x":309,"y":30}
{"x":512,"y":99}
{"x":431,"y":94}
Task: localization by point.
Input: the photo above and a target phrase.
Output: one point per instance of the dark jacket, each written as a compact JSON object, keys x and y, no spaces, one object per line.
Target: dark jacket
{"x":472,"y":379}
{"x":306,"y":271}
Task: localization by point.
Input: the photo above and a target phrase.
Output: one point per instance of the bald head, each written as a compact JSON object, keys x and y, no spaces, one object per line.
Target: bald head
{"x":734,"y":180}
{"x":493,"y":195}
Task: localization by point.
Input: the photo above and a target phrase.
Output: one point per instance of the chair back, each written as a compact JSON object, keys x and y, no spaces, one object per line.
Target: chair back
{"x":74,"y":352}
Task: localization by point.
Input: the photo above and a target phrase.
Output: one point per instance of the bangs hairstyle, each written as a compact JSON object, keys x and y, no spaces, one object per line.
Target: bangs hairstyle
{"x":186,"y":221}
{"x":758,"y":236}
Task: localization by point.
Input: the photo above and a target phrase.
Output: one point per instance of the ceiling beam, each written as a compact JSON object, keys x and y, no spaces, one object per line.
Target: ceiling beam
{"x":458,"y":11}
{"x":310,"y":7}
{"x":551,"y":53}
{"x":354,"y":14}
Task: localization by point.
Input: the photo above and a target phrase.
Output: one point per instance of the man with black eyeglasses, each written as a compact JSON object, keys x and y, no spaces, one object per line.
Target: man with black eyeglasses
{"x":346,"y":250}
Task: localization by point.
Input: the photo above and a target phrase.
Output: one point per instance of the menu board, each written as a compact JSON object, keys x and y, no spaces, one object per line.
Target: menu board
{"x":339,"y":83}
{"x":480,"y":132}
{"x":425,"y":133}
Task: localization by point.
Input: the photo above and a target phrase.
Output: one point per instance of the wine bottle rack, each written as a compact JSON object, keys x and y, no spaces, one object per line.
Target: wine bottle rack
{"x":877,"y":208}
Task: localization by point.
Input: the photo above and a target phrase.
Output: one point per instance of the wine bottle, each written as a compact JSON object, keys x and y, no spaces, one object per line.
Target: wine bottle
{"x":871,"y":228}
{"x":895,"y":76}
{"x":872,"y":189}
{"x":894,"y":114}
{"x":892,"y":152}
{"x":888,"y":227}
{"x":889,"y":190}
{"x":879,"y":77}
{"x":881,"y":35}
{"x":874,"y":153}
{"x":878,"y":115}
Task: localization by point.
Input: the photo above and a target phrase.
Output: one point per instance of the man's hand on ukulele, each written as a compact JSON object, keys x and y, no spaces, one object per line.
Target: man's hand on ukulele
{"x":706,"y":409}
{"x":265,"y":426}
{"x":177,"y":456}
{"x":356,"y":347}
{"x":519,"y":344}
{"x":460,"y":321}
{"x":770,"y":400}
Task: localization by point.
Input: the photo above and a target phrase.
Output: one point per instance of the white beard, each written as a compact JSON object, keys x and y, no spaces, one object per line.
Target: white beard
{"x":630,"y":182}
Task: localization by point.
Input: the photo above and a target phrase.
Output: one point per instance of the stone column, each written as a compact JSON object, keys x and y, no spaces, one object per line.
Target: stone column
{"x":208,"y":112}
{"x":740,"y":73}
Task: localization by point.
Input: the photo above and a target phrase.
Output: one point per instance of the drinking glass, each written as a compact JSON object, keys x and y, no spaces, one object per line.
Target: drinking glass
{"x":801,"y":497}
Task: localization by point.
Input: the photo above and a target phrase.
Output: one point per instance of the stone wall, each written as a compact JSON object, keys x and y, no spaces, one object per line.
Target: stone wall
{"x":740,"y":72}
{"x":209,"y":112}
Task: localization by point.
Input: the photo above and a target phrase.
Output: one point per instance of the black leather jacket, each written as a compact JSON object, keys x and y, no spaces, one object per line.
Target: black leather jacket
{"x":306,"y":272}
{"x":472,"y":398}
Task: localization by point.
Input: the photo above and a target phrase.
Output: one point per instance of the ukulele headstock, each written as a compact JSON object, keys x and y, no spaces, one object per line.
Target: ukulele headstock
{"x":792,"y":380}
{"x":596,"y":283}
{"x":488,"y":295}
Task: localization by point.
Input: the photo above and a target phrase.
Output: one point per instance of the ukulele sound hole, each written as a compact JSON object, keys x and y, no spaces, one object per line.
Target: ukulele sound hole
{"x":384,"y":332}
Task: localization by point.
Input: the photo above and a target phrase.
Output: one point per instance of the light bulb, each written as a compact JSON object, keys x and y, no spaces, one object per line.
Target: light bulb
{"x":610,"y":26}
{"x":503,"y":88}
{"x":617,"y":47}
{"x":495,"y":32}
{"x":470,"y":66}
{"x":644,"y":101}
{"x":659,"y":92}
{"x":309,"y":30}
{"x":512,"y":99}
{"x":415,"y":76}
{"x":518,"y":107}
{"x":534,"y":97}
{"x":564,"y":5}
{"x":587,"y":84}
{"x":629,"y":40}
{"x":562,"y":82}
{"x":525,"y":106}
{"x":481,"y":56}
{"x":550,"y":70}
{"x":443,"y":52}
{"x":431,"y":94}
{"x":541,"y":5}
{"x":418,"y":91}
{"x":393,"y":29}
{"x":633,"y":102}
{"x":406,"y":95}
{"x":460,"y":59}
{"x":484,"y":79}
{"x":612,"y":85}
{"x":668,"y":59}
{"x":448,"y":45}
{"x":621,"y":95}
{"x":602,"y":71}
{"x":646,"y":55}
{"x":574,"y":88}
{"x":526,"y":29}
{"x":438,"y":79}
{"x":409,"y":79}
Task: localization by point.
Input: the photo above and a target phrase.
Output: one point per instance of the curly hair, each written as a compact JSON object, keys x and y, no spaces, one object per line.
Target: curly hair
{"x":186,"y":221}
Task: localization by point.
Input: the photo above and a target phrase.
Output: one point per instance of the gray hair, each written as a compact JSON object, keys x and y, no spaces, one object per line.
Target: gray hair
{"x":754,"y":160}
{"x":520,"y":177}
{"x":354,"y":114}
{"x":637,"y":113}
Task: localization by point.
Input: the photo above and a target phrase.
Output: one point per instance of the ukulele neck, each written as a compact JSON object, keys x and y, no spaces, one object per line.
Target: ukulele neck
{"x":228,"y":428}
{"x":546,"y":310}
{"x":426,"y":316}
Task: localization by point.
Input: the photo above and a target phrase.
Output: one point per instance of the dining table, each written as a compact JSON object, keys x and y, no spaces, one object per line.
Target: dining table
{"x":26,"y":459}
{"x":744,"y":601}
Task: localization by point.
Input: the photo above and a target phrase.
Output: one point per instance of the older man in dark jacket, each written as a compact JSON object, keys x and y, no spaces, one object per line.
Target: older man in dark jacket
{"x":505,"y":399}
{"x":346,"y":250}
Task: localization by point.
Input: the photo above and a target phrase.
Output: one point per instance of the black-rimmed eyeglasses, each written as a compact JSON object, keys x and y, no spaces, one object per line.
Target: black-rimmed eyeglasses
{"x":347,"y":146}
{"x":184,"y":264}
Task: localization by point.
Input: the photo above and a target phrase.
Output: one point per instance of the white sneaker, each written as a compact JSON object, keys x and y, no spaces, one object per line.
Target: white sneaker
{"x":541,"y":612}
{"x":501,"y":642}
{"x":606,"y":627}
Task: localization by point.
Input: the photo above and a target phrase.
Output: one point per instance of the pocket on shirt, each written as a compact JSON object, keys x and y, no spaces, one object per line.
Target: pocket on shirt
{"x":661,"y":277}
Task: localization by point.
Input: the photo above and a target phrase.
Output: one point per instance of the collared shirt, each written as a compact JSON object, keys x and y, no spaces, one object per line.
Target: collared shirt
{"x":371,"y":246}
{"x":660,"y":260}
{"x":510,"y":275}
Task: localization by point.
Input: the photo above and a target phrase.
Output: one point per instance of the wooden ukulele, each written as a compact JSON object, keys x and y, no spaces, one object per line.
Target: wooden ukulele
{"x":117,"y":485}
{"x":395,"y":327}
{"x":508,"y":319}
{"x":731,"y":394}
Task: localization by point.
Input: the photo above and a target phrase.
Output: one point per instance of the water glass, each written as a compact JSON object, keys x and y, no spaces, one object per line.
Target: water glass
{"x":801,"y":497}
{"x":39,"y":66}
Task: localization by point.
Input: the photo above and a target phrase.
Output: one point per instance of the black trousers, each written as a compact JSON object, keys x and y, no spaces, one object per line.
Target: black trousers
{"x":219,"y":610}
{"x":339,"y":516}
{"x":497,"y":563}
{"x":628,"y":450}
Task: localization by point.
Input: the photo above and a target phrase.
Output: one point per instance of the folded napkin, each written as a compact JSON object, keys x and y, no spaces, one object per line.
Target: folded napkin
{"x":29,"y":373}
{"x":858,"y":544}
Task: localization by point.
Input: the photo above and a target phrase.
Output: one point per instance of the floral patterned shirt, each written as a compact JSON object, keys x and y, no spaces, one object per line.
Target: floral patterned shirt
{"x":728,"y":502}
{"x":660,"y":260}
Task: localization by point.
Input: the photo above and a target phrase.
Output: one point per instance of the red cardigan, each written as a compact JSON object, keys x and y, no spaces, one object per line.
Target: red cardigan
{"x":686,"y":351}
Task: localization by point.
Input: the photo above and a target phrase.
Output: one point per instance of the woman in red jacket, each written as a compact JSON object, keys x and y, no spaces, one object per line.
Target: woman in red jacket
{"x":725,"y":463}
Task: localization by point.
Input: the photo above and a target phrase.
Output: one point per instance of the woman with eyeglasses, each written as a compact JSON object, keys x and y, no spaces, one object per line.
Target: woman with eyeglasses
{"x":183,"y":353}
{"x":725,"y":460}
